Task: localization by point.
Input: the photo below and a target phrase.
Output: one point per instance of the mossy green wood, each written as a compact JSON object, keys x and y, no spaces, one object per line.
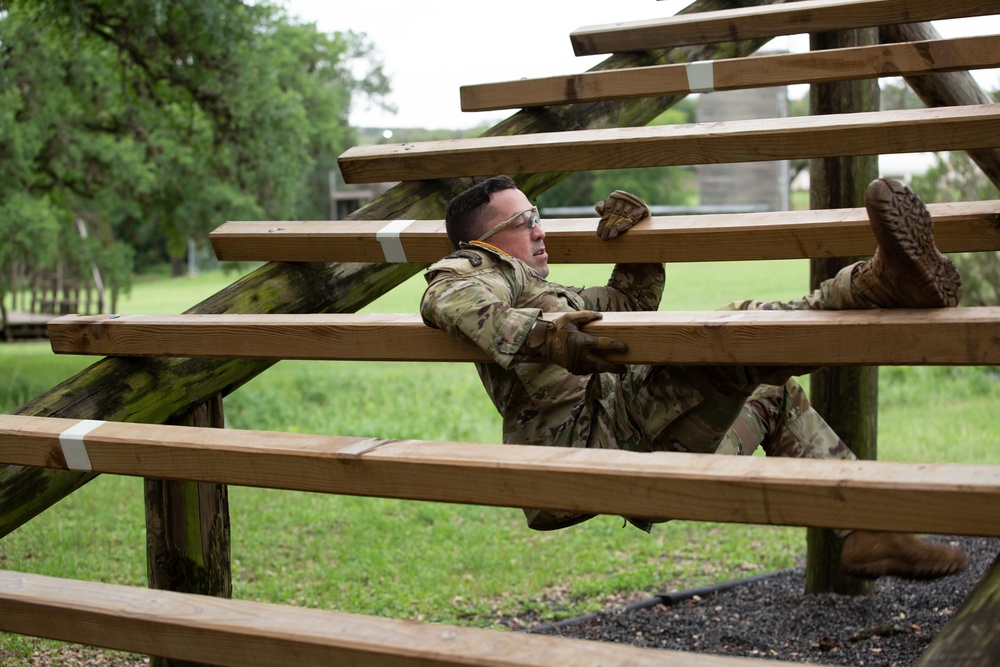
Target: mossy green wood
{"x":972,"y":637}
{"x":188,"y":534}
{"x":847,"y":396}
{"x":153,"y":390}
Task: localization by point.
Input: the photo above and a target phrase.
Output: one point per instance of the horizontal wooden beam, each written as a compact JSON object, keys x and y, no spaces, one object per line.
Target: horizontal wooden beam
{"x":729,"y":25}
{"x":877,"y":495}
{"x":958,"y":227}
{"x":865,"y":62}
{"x":209,"y":630}
{"x":871,"y":133}
{"x":949,"y":336}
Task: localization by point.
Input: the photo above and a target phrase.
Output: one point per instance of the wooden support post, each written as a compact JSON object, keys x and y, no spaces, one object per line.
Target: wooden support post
{"x":847,"y":397}
{"x":153,"y":390}
{"x":188,"y":529}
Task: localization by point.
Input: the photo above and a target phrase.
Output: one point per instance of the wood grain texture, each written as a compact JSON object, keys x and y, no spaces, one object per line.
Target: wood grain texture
{"x":238,"y":633}
{"x":877,"y":495}
{"x":958,"y":227}
{"x":949,"y":336}
{"x":769,"y":21}
{"x":871,"y":133}
{"x":738,"y":73}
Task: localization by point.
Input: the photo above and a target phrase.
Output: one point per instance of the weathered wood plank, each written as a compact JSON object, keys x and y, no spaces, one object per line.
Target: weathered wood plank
{"x":877,"y":495}
{"x":236,"y":633}
{"x":872,"y":133}
{"x":906,"y":59}
{"x":958,"y":227}
{"x":952,"y":336}
{"x":770,"y":21}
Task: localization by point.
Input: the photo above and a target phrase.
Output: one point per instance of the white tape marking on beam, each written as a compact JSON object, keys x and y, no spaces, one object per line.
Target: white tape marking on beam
{"x":388,"y":236}
{"x":701,"y":76}
{"x":74,"y":451}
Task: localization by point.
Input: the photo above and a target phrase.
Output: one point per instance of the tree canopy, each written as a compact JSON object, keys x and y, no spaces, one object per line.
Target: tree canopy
{"x":152,"y":122}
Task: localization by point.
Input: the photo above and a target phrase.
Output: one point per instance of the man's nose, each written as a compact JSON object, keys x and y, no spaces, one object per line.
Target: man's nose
{"x":539,"y":233}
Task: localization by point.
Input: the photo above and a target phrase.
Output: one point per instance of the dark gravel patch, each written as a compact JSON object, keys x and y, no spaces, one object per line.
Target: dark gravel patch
{"x":771,"y":617}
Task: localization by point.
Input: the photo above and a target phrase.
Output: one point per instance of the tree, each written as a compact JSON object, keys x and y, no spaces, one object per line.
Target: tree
{"x":657,"y":186}
{"x":155,"y":121}
{"x":955,"y":177}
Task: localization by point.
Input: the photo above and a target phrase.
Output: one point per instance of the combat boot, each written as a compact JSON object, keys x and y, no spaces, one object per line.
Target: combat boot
{"x":870,"y":555}
{"x":907,"y":270}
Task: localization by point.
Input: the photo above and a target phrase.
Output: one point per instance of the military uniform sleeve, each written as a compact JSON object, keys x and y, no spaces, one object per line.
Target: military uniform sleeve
{"x":474,"y":304}
{"x":632,"y":287}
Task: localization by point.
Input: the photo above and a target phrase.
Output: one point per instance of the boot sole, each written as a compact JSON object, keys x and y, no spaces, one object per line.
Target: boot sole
{"x":905,"y":236}
{"x":894,"y":567}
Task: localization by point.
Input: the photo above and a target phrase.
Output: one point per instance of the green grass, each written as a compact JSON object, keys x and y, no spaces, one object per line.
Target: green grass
{"x":452,"y":563}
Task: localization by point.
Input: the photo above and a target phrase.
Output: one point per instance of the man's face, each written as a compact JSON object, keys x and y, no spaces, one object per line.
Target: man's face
{"x":518,"y":240}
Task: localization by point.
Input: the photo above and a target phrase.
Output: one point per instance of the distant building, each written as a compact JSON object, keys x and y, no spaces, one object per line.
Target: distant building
{"x":347,"y":198}
{"x":756,"y":184}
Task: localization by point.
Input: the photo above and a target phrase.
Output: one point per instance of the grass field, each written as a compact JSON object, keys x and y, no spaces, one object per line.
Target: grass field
{"x":459,"y":564}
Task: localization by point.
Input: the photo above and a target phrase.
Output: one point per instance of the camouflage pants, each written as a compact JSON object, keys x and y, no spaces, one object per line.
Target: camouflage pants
{"x":725,"y":409}
{"x":736,"y":409}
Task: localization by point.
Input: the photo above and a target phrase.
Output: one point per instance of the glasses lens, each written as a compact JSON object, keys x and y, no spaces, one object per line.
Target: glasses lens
{"x":533,"y":217}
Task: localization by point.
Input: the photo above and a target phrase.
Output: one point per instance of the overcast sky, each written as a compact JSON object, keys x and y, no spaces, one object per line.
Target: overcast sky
{"x":429,"y":49}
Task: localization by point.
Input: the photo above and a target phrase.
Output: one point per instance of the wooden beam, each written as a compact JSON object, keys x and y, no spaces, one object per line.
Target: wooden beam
{"x":972,"y":637}
{"x":762,"y":22}
{"x":234,"y":633}
{"x":876,"y":495}
{"x":846,"y":395}
{"x":788,"y":69}
{"x":872,"y":133}
{"x":951,"y":336}
{"x":958,"y":227}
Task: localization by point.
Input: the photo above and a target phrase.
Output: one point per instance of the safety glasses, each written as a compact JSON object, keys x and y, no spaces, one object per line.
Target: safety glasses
{"x":528,"y":218}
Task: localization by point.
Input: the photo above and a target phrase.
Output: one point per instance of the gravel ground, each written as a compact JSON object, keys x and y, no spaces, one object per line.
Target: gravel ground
{"x":771,"y":617}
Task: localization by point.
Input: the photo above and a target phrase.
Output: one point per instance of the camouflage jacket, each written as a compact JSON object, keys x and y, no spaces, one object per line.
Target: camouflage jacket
{"x":481,"y":295}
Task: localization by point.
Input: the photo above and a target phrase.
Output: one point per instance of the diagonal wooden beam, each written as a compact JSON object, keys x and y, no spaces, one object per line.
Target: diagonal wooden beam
{"x":863,"y":62}
{"x":870,"y":133}
{"x":765,"y":22}
{"x":958,"y":227}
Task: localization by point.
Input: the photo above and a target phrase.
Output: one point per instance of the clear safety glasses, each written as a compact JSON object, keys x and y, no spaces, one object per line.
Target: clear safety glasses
{"x":528,"y":219}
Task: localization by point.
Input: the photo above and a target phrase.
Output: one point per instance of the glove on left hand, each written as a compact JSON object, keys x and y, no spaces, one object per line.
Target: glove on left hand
{"x":578,"y":352}
{"x":619,"y":212}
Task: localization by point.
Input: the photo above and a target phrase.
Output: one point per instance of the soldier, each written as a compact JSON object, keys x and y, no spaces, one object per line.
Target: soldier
{"x":553,"y":385}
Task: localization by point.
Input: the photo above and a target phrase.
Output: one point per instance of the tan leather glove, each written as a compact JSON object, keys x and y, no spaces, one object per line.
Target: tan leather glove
{"x":619,"y":212}
{"x":561,"y":342}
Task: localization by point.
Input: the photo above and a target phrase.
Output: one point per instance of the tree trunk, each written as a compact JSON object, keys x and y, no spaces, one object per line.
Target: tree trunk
{"x":946,"y":89}
{"x":153,"y":390}
{"x":847,"y":397}
{"x":188,"y":529}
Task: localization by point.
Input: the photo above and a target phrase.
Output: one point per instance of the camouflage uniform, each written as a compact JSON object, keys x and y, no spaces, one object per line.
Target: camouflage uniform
{"x":488,"y":298}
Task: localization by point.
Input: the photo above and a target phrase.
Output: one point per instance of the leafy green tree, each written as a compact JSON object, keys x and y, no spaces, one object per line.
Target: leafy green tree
{"x":156,"y":121}
{"x":955,"y":177}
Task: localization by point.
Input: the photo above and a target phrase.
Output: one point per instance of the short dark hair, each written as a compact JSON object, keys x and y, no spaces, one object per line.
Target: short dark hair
{"x":467,"y":213}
